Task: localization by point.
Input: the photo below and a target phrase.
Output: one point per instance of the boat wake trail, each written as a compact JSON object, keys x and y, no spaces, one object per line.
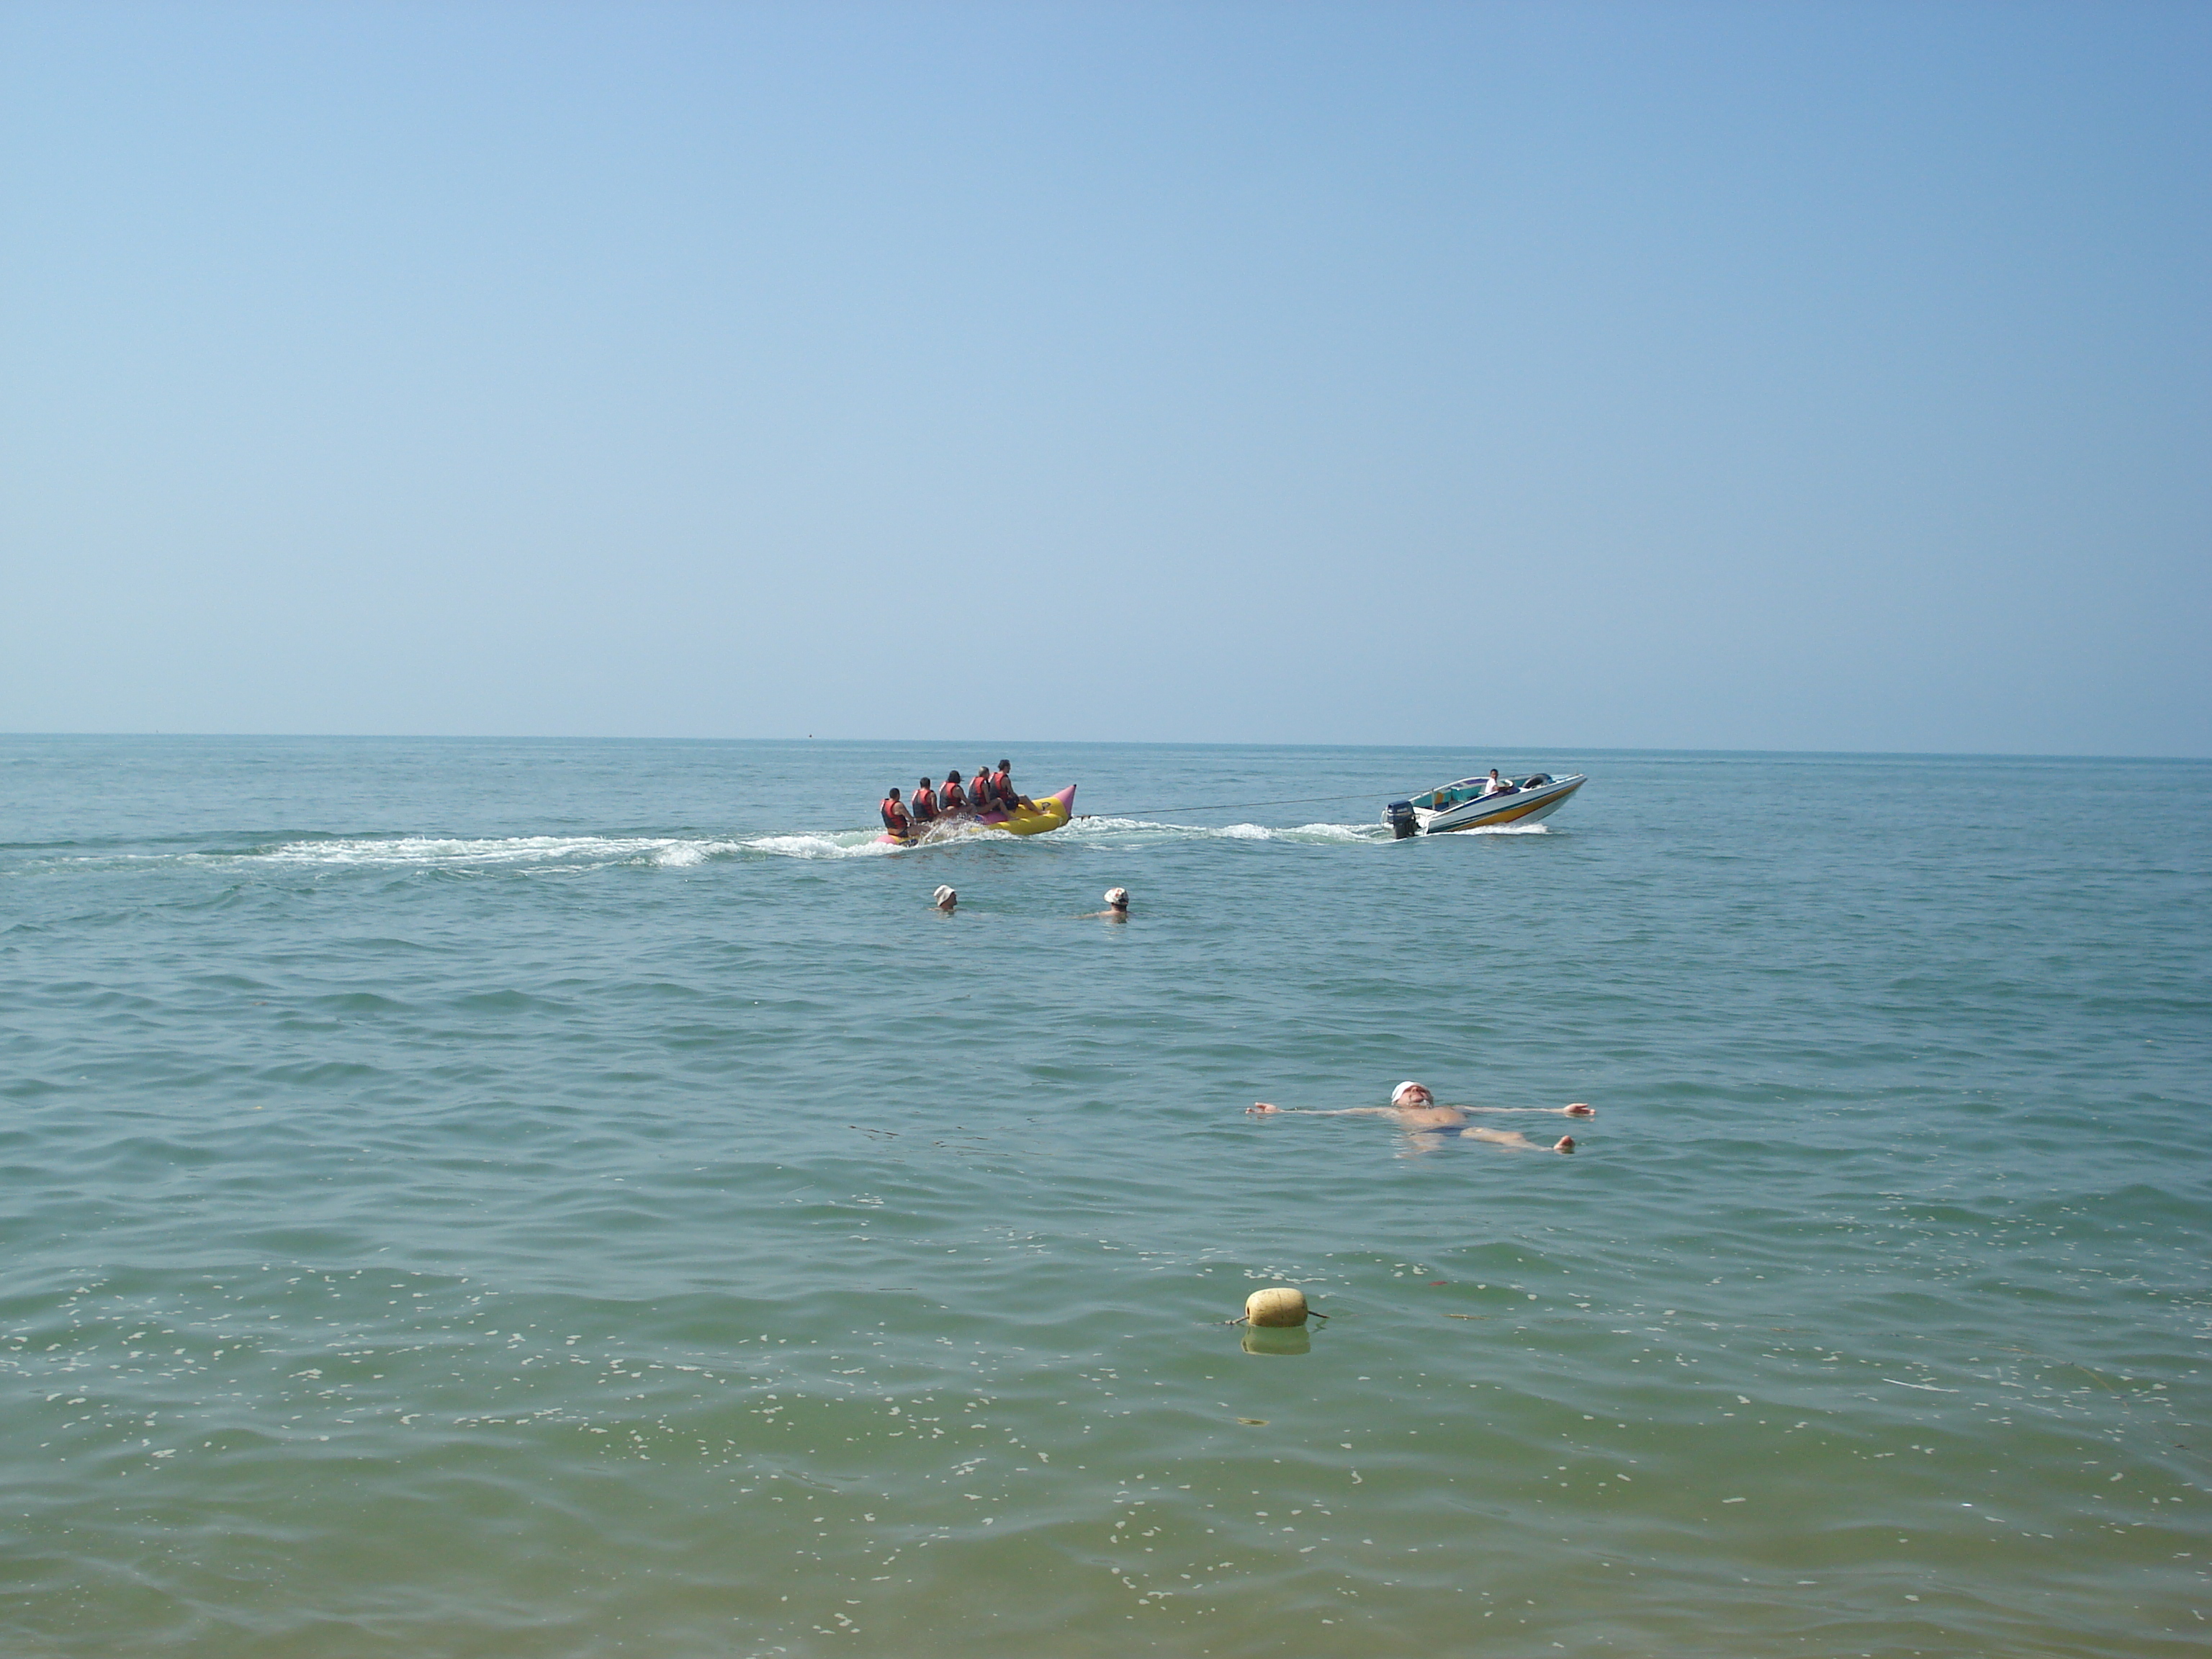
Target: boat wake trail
{"x":1124,"y":831}
{"x":554,"y":853}
{"x":571,"y":854}
{"x":550,"y":854}
{"x":1129,"y":831}
{"x":458,"y":852}
{"x":821,"y":844}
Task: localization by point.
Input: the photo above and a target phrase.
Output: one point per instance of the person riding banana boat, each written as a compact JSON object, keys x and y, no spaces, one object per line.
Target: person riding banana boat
{"x":988,"y":799}
{"x":898,"y":822}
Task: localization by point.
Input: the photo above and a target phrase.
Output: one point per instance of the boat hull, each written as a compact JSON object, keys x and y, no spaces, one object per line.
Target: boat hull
{"x":1491,"y":811}
{"x":1048,"y":813}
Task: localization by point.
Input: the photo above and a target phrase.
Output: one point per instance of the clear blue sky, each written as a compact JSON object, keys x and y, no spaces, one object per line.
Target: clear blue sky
{"x":1683,"y":376}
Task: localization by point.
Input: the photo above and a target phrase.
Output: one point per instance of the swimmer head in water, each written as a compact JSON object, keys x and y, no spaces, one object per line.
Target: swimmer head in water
{"x":944,"y":898}
{"x":1117,"y":907}
{"x":1409,"y":1093}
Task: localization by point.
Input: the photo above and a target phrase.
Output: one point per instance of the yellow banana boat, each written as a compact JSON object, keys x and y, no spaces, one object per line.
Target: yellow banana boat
{"x":1043,"y":815}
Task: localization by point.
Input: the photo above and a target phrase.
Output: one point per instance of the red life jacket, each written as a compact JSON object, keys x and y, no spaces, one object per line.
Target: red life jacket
{"x":950,"y":797}
{"x":1003,"y":787}
{"x":925,"y":804}
{"x":895,"y":818}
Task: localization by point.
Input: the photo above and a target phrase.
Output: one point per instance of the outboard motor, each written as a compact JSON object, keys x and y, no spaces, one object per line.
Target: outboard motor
{"x":1399,"y":815}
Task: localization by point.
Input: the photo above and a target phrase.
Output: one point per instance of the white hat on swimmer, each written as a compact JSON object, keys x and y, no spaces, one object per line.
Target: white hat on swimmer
{"x":943,"y":897}
{"x":1117,"y":896}
{"x":1406,"y":1090}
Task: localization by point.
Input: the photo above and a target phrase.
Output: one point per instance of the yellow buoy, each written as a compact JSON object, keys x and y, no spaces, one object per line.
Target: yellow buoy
{"x":1278,"y":1304}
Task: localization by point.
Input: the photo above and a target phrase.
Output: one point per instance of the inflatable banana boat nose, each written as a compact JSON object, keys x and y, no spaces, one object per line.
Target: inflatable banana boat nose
{"x":1051,"y":813}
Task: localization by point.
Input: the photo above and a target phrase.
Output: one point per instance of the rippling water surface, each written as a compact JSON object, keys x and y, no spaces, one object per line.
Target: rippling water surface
{"x":559,"y":1199}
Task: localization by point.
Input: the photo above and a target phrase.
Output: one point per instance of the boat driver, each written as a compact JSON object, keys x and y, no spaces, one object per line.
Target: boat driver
{"x":1494,"y":785}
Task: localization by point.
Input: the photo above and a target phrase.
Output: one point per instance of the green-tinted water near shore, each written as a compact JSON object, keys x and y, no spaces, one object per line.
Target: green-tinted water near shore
{"x":559,"y":1199}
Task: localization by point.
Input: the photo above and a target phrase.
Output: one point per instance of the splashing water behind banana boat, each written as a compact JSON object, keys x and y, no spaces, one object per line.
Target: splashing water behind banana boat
{"x":1464,"y":805}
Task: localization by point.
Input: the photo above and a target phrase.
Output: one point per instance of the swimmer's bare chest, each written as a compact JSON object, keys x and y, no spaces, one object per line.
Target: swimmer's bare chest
{"x":1432,"y":1117}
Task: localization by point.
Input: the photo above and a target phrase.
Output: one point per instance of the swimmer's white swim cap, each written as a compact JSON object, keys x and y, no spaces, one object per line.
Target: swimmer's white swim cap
{"x":943,"y":894}
{"x":1406,"y":1088}
{"x":1117,"y":896}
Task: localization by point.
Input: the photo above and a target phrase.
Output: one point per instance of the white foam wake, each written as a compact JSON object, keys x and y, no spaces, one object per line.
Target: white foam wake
{"x":823,"y":844}
{"x":444,"y":853}
{"x":1311,"y":834}
{"x":565,"y":852}
{"x":579,"y":853}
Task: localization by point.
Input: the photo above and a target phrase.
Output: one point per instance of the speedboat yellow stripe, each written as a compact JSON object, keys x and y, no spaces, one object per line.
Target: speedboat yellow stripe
{"x":1508,"y":816}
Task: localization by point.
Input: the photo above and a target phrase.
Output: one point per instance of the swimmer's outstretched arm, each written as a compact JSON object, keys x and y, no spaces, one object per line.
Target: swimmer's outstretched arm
{"x":1577,"y":1110}
{"x":1261,"y":1108}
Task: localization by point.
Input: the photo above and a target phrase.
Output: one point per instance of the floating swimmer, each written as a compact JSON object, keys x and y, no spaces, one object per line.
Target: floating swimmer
{"x":1414,"y":1106}
{"x":1117,"y":907}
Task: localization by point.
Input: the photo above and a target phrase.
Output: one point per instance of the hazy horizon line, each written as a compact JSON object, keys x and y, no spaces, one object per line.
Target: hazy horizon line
{"x":1107,"y":743}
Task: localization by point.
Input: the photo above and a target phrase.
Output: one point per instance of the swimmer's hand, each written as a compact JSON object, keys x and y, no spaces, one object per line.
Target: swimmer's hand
{"x":1259,"y":1108}
{"x":1579,"y":1110}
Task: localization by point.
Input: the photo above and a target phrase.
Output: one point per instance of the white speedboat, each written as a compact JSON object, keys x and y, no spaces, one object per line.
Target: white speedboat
{"x":1466,"y":806}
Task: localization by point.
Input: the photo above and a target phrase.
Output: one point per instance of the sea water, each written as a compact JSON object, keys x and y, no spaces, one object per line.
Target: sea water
{"x":576,"y":1198}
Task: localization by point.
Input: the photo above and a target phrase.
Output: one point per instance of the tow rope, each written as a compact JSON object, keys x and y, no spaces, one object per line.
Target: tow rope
{"x":1230,"y":806}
